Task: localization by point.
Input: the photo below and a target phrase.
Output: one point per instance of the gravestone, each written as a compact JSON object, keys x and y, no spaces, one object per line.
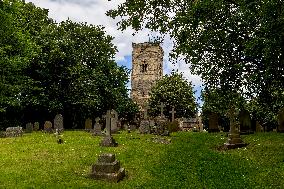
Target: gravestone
{"x":107,"y":168}
{"x":114,"y":120}
{"x":213,"y":123}
{"x":234,"y":139}
{"x":160,"y":126}
{"x":36,"y":126}
{"x":108,"y":140}
{"x":97,"y":128}
{"x":258,"y":127}
{"x":200,"y":125}
{"x":58,"y":123}
{"x":280,"y":127}
{"x":88,"y":124}
{"x":173,"y":113}
{"x":144,"y":127}
{"x":29,"y":128}
{"x":14,"y":132}
{"x":47,"y":127}
{"x":245,"y":122}
{"x":162,"y":109}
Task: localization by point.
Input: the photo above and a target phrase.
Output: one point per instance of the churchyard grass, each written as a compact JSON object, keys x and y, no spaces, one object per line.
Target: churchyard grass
{"x":192,"y":160}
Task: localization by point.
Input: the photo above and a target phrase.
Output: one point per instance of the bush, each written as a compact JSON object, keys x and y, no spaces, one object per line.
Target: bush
{"x":173,"y":126}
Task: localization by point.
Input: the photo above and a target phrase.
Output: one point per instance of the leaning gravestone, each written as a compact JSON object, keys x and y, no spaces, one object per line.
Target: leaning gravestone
{"x":47,"y":127}
{"x":29,"y":128}
{"x":58,"y":123}
{"x":281,"y":121}
{"x":36,"y":126}
{"x":107,"y":168}
{"x":88,"y":124}
{"x":14,"y":131}
{"x":245,"y":122}
{"x":213,"y":123}
{"x":97,"y":128}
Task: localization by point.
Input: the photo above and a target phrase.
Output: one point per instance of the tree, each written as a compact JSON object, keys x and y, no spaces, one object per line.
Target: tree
{"x":174,"y":91}
{"x":235,"y":45}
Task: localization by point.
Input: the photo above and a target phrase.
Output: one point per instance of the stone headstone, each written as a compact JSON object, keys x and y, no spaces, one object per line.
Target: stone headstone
{"x":97,"y":128}
{"x":162,"y":109}
{"x":36,"y":126}
{"x":29,"y":128}
{"x":280,"y":127}
{"x":245,"y":122}
{"x":144,"y":127}
{"x":213,"y":123}
{"x":234,"y":139}
{"x":258,"y":127}
{"x":114,"y":121}
{"x":160,"y":125}
{"x":108,"y":141}
{"x":107,"y":168}
{"x":173,"y":113}
{"x":47,"y":127}
{"x":14,"y":132}
{"x":58,"y":123}
{"x":88,"y":124}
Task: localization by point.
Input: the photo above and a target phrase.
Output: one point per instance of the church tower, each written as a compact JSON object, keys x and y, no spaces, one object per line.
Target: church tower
{"x":147,"y":69}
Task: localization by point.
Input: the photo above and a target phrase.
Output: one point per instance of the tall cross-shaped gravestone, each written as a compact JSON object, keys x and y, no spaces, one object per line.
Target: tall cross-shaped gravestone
{"x":108,"y":141}
{"x":146,"y":112}
{"x":234,"y":139}
{"x":162,"y":109}
{"x":173,"y":113}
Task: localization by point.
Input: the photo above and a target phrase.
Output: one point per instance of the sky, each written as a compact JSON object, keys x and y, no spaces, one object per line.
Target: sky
{"x":93,"y":12}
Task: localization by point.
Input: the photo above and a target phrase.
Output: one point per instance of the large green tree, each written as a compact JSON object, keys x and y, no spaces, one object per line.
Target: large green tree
{"x":235,"y":45}
{"x":173,"y":91}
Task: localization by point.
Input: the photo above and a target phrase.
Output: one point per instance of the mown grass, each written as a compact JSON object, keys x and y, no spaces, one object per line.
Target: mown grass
{"x":190,"y":161}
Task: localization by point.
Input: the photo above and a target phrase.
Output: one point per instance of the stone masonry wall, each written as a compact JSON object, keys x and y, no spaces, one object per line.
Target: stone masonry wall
{"x":147,"y":68}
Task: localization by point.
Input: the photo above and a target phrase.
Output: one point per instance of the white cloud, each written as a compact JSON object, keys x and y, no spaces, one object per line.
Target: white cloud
{"x":93,"y":12}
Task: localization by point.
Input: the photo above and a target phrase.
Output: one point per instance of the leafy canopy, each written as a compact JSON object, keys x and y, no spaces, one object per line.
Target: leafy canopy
{"x":174,"y":91}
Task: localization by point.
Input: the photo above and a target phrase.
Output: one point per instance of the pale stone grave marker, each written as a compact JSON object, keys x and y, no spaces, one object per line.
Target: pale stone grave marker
{"x":97,"y":127}
{"x":108,"y":140}
{"x":173,"y":113}
{"x":14,"y":131}
{"x":114,"y":121}
{"x":58,"y":123}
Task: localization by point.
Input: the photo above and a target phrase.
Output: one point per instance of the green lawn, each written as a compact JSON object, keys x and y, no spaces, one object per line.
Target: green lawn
{"x":190,"y":161}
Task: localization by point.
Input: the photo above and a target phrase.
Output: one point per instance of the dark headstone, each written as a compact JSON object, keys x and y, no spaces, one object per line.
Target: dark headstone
{"x":258,"y":127}
{"x":245,"y":122}
{"x":107,"y":168}
{"x":281,"y":121}
{"x":213,"y":123}
{"x":58,"y":123}
{"x":29,"y":128}
{"x":36,"y":126}
{"x":88,"y":124}
{"x":108,"y":141}
{"x":48,"y":127}
{"x":14,"y":132}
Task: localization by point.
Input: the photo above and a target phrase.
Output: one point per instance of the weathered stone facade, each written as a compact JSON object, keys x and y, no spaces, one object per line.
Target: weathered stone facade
{"x":147,"y":68}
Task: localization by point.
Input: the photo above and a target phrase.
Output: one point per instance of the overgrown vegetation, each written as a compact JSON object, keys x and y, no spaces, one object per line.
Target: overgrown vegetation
{"x":190,"y":161}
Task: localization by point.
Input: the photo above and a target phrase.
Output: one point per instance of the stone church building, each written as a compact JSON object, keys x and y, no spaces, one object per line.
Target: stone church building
{"x":147,"y":69}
